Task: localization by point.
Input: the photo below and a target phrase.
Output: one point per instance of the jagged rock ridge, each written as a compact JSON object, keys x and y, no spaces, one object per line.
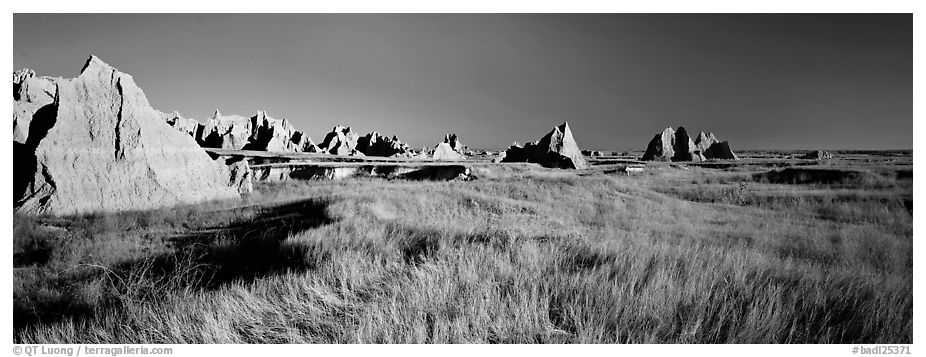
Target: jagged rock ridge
{"x":374,"y":144}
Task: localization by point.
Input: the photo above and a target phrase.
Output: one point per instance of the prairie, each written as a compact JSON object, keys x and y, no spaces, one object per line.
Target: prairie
{"x":522,"y":254}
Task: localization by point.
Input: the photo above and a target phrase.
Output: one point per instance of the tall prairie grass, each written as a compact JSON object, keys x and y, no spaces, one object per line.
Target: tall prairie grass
{"x":517,"y":256}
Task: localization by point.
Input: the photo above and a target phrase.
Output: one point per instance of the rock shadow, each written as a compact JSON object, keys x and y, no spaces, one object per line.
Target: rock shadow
{"x":437,"y":173}
{"x":205,"y":259}
{"x":799,"y":176}
{"x":247,"y":250}
{"x":25,"y":163}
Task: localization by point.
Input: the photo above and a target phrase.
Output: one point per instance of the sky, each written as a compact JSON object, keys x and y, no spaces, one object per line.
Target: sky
{"x":761,"y":81}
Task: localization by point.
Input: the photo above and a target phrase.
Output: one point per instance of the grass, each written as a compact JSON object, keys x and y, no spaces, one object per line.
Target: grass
{"x":521,"y":255}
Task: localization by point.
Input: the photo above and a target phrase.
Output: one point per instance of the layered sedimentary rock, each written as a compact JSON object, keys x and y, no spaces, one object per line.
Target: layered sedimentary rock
{"x":340,"y":141}
{"x":374,"y":144}
{"x":676,"y":145}
{"x":446,"y":172}
{"x":100,"y":147}
{"x":557,"y":149}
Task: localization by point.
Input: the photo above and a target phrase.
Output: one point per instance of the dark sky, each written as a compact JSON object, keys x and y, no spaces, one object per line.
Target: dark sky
{"x":762,"y":81}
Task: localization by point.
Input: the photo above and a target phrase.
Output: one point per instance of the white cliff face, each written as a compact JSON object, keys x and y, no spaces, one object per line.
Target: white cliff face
{"x":102,"y":148}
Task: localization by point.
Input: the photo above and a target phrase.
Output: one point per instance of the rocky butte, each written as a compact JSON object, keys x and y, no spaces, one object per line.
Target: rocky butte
{"x":677,"y":145}
{"x":94,"y":144}
{"x":557,"y":149}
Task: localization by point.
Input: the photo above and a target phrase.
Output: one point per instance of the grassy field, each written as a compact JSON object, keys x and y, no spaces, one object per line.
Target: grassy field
{"x":520,"y":255}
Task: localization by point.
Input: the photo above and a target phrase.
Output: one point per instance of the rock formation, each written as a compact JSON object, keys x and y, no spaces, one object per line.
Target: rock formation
{"x":684,"y":148}
{"x":676,"y":145}
{"x":100,"y":147}
{"x":662,"y":147}
{"x":374,"y":144}
{"x":501,"y":155}
{"x":444,"y":152}
{"x":259,"y":132}
{"x":304,"y":142}
{"x":704,"y":141}
{"x":720,"y":151}
{"x":817,"y":155}
{"x":455,"y":143}
{"x":224,"y":132}
{"x":672,"y":145}
{"x":714,"y":149}
{"x":30,"y":93}
{"x":557,"y":149}
{"x":340,"y":141}
{"x":449,"y":149}
{"x":269,"y":134}
{"x":184,"y":125}
{"x":240,"y":175}
{"x":19,"y":77}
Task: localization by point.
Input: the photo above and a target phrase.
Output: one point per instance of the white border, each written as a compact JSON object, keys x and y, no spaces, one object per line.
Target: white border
{"x":483,"y":6}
